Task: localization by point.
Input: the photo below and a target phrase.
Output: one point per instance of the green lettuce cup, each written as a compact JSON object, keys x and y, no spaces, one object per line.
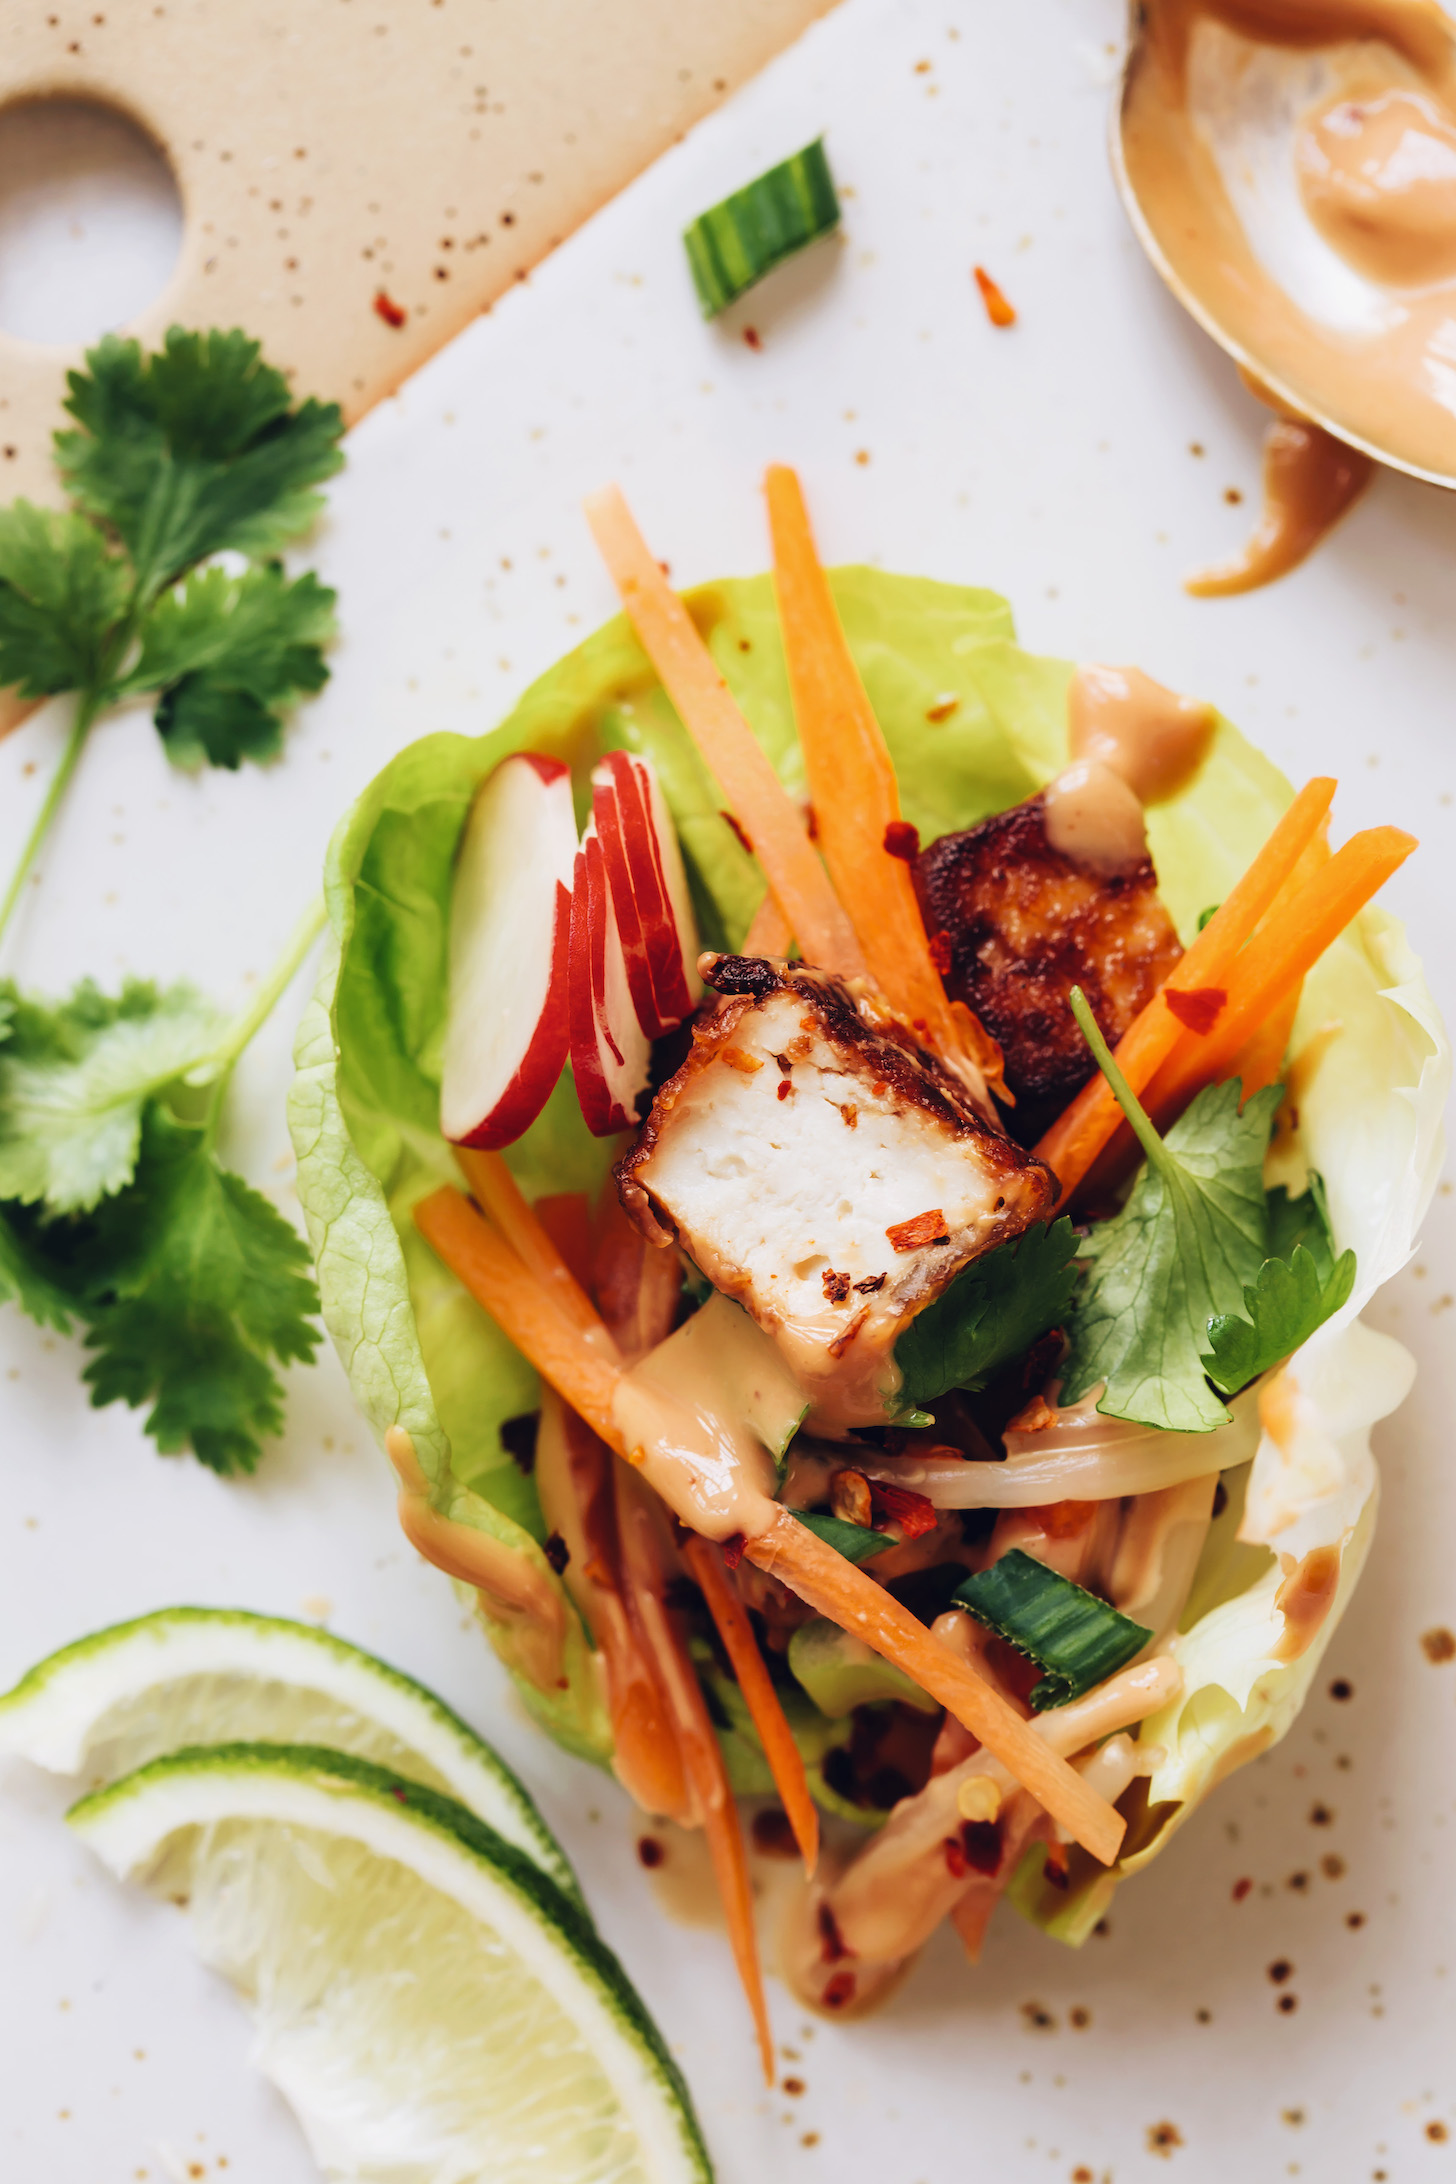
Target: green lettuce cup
{"x":974,"y":724}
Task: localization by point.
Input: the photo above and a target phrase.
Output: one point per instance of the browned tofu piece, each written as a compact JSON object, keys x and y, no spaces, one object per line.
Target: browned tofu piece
{"x":1023,"y":924}
{"x":825,"y":1173}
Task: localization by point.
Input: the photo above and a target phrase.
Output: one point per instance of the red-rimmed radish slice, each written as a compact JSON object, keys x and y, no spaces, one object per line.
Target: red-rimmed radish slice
{"x":510,"y":918}
{"x":631,"y":907}
{"x":654,"y":861}
{"x":609,"y":1049}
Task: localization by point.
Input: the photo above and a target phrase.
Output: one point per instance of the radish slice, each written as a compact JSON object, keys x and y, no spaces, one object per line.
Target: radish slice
{"x":664,"y":907}
{"x":510,"y":917}
{"x":633,"y":908}
{"x":610,"y":1051}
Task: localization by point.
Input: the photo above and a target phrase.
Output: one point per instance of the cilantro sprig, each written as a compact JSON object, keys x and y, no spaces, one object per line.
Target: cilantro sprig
{"x":991,"y":1314}
{"x":118,"y":1220}
{"x":174,"y":458}
{"x":1188,"y":1283}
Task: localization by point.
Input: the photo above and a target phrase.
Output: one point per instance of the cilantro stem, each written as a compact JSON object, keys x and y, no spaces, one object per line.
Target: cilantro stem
{"x":1121,"y":1090}
{"x":87,"y":709}
{"x":250,"y":1020}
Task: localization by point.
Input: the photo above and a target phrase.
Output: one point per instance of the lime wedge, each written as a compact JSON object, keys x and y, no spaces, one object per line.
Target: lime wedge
{"x":188,"y":1676}
{"x":433,"y":2007}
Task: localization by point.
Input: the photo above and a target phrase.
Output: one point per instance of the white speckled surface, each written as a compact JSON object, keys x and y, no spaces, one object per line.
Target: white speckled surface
{"x":1052,"y":461}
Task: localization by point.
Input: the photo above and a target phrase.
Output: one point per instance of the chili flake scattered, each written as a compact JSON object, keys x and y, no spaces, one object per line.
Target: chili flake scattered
{"x":998,"y":310}
{"x":556,"y":1551}
{"x":902,"y":840}
{"x":940,"y":952}
{"x":744,"y":842}
{"x":1196,"y":1008}
{"x":650,"y":1851}
{"x":392,"y":313}
{"x":919,"y":1230}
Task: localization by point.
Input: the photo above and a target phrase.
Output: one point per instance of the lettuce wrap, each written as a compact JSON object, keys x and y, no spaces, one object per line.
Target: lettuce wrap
{"x":974,"y":724}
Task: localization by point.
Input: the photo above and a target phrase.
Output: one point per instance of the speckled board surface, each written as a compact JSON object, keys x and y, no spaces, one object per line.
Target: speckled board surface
{"x":330,"y":152}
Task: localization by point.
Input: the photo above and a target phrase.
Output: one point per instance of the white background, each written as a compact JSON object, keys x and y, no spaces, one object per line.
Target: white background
{"x":1053,"y":462}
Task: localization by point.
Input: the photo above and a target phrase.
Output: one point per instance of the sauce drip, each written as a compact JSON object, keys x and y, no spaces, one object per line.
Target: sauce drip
{"x":1310,"y":480}
{"x":1132,"y":742}
{"x":1366,"y":345}
{"x":711,"y":1471}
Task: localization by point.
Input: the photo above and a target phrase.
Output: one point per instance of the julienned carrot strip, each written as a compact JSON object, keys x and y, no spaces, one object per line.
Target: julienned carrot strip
{"x":646,"y":1562}
{"x":1311,"y":921}
{"x":587,"y":1380}
{"x":1259,"y":1062}
{"x":1079,"y":1134}
{"x":852,"y":785}
{"x":785,"y":1761}
{"x":839,"y":1589}
{"x":770,"y":934}
{"x":757,"y":798}
{"x":497,"y":1192}
{"x":583,"y":1375}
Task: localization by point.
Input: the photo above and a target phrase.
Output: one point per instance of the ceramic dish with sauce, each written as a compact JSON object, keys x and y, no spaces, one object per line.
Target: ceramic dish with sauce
{"x":840,"y":1430}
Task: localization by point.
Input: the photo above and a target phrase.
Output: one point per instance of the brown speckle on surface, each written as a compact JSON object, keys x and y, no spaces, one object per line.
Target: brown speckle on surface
{"x":810,"y":2138}
{"x":792,"y":2086}
{"x":752,"y":338}
{"x":1163,"y":2138}
{"x":1320,"y":1816}
{"x":1242,"y":1888}
{"x":1438,"y":1645}
{"x":1082,"y":2174}
{"x":1354,"y":1920}
{"x":1294,"y":2117}
{"x":1342,"y":1688}
{"x":861,"y":455}
{"x":1332,"y":1866}
{"x":1102,"y":1931}
{"x":1203,"y":2017}
{"x":1196,"y":447}
{"x":1280,"y":1970}
{"x":1437,"y":2132}
{"x":650,"y":1851}
{"x":1299,"y":1882}
{"x":1079,"y":2018}
{"x":1037,"y":2017}
{"x":1232,"y":495}
{"x":1287,"y":2004}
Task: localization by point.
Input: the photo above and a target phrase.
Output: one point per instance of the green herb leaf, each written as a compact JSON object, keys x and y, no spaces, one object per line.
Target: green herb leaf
{"x":232,"y":652}
{"x":856,"y":1542}
{"x":738,"y":241}
{"x":1287,"y":1302}
{"x":1193,"y":1233}
{"x":74,"y":1080}
{"x":195,"y":1284}
{"x":194,"y":451}
{"x":61,"y":595}
{"x":28,"y":1280}
{"x":1303,"y":1220}
{"x":991,"y":1314}
{"x":1077,"y":1639}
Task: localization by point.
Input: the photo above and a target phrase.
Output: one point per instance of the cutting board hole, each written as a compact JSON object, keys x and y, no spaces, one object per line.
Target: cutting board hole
{"x":90,"y":220}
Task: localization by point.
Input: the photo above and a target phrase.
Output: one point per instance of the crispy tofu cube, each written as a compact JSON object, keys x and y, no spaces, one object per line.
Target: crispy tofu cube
{"x":824,"y":1171}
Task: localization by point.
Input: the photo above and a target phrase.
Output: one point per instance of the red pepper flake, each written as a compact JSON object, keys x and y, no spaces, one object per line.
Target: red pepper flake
{"x":981,"y":1842}
{"x":1063,"y":1519}
{"x":870,"y":1284}
{"x":902,"y":840}
{"x":839,"y":1991}
{"x":752,"y":339}
{"x":941,"y":954}
{"x":786,"y":1090}
{"x":919,"y":1230}
{"x":833,"y":1949}
{"x":914,"y":1513}
{"x":941,"y":710}
{"x":842,"y":1341}
{"x":732,"y":1549}
{"x":811,"y":822}
{"x":392,"y":313}
{"x":850,"y":1115}
{"x":1056,"y":1868}
{"x":955,"y":1858}
{"x":399,"y":1793}
{"x":738,"y":830}
{"x":836,"y":1286}
{"x":1242,"y":1888}
{"x":1197,"y":1008}
{"x":998,"y":310}
{"x":650,"y":1851}
{"x":556,"y":1551}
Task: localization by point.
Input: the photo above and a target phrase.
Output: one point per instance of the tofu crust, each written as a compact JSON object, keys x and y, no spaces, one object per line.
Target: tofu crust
{"x":823,"y":1170}
{"x":1022,"y":925}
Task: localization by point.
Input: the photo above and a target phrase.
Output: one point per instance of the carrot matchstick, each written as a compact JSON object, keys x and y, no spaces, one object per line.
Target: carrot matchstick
{"x":853,"y":788}
{"x":498,"y":1194}
{"x":839,"y":1589}
{"x":785,"y":1761}
{"x":1198,"y":983}
{"x":730,"y":750}
{"x":770,"y":934}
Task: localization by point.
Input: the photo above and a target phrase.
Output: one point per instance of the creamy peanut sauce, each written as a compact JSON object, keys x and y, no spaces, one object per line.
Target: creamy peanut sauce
{"x":713,"y":1472}
{"x":1132,"y":742}
{"x":1294,"y":166}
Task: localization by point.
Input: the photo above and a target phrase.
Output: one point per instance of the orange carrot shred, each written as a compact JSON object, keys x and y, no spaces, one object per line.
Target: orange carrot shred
{"x":998,"y":310}
{"x":762,"y":1700}
{"x":499,"y":1195}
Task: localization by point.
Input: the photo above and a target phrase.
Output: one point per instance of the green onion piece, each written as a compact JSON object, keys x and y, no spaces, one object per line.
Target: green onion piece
{"x":1075,"y":1638}
{"x":737,"y":242}
{"x":856,"y":1542}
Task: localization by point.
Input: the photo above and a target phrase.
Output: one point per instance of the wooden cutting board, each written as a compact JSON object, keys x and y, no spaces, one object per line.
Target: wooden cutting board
{"x":332,"y":153}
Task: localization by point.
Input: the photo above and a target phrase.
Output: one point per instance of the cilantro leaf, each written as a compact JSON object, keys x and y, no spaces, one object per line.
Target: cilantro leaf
{"x":61,"y":595}
{"x":1303,"y":1220}
{"x":229,"y":652}
{"x":73,"y":1082}
{"x":197,"y":1284}
{"x":27,"y":1279}
{"x":1288,"y":1300}
{"x":1193,"y":1233}
{"x":194,"y":450}
{"x":993,"y":1312}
